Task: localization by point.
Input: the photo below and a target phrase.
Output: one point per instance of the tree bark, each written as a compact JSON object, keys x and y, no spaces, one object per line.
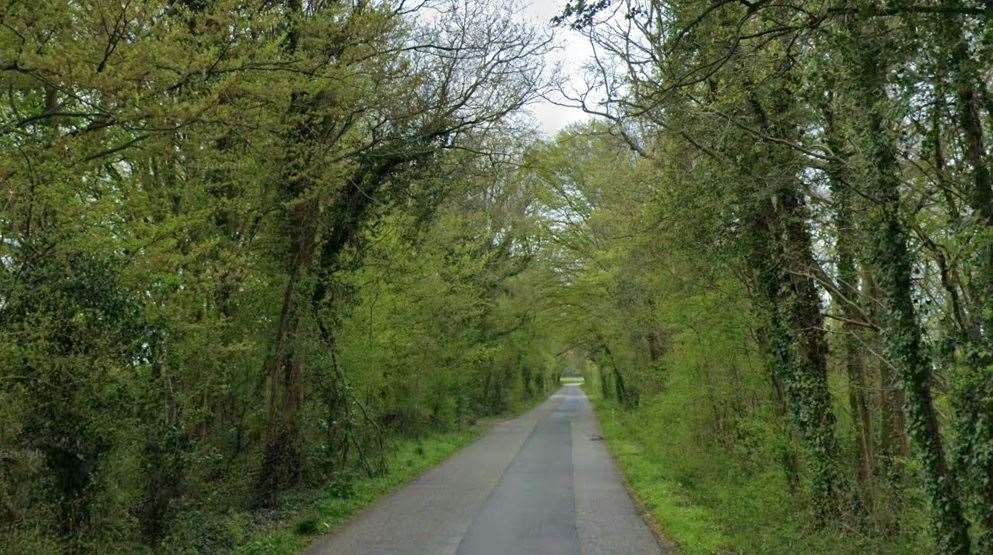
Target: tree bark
{"x":781,"y":255}
{"x":891,"y":264}
{"x":284,"y":369}
{"x":852,"y":334}
{"x":973,"y":410}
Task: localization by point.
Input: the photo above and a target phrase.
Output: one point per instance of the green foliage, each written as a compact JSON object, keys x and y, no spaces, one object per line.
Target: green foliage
{"x":301,"y":519}
{"x":243,"y":250}
{"x":833,"y":163}
{"x":250,"y":250}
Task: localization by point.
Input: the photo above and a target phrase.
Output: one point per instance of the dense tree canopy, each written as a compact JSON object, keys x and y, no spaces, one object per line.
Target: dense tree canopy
{"x":841,"y":152}
{"x":245,"y":245}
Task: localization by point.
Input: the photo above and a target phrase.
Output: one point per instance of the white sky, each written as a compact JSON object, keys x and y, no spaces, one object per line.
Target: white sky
{"x":573,"y":51}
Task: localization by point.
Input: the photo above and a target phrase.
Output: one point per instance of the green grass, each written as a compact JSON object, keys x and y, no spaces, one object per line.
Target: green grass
{"x":719,"y":500}
{"x":335,"y":505}
{"x":693,"y":527}
{"x":306,"y":518}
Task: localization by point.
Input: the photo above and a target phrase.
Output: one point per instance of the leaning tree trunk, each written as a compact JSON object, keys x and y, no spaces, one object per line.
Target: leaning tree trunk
{"x":284,"y":368}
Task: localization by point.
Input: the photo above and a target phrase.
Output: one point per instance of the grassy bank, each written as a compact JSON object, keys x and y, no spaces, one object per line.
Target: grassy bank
{"x":304,"y":517}
{"x":307,"y":516}
{"x":713,"y":502}
{"x":694,"y":527}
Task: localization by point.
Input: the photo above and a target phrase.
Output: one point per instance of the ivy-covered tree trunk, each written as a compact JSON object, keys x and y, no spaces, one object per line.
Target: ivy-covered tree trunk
{"x":781,"y":257}
{"x":891,"y":264}
{"x":794,"y":320}
{"x":849,"y":301}
{"x":892,"y":437}
{"x":854,"y":355}
{"x":969,"y":89}
{"x":973,"y":395}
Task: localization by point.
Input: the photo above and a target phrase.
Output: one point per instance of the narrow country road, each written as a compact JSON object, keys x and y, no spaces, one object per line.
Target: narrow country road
{"x":542,"y":483}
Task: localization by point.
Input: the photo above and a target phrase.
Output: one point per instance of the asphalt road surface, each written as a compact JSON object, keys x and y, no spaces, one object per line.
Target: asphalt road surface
{"x":542,"y":483}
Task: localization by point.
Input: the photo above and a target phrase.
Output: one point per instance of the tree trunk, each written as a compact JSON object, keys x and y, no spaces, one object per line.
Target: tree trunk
{"x":858,"y":398}
{"x":781,"y":258}
{"x":656,"y":345}
{"x":855,"y":357}
{"x":891,"y":264}
{"x":526,"y":379}
{"x":973,"y":410}
{"x":851,"y":309}
{"x":797,"y":337}
{"x":604,"y":385}
{"x":285,"y":367}
{"x":284,"y":370}
{"x":620,"y":392}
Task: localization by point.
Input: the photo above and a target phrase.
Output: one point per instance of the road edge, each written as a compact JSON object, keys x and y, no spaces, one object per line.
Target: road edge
{"x":667,"y":544}
{"x":473,"y":431}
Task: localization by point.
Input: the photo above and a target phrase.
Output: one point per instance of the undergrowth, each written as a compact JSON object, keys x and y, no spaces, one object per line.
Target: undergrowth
{"x":712,"y":502}
{"x":307,"y":515}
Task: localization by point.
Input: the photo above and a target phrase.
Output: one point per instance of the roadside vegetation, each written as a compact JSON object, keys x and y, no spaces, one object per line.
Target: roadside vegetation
{"x":262,"y":261}
{"x":303,"y":517}
{"x":780,"y":257}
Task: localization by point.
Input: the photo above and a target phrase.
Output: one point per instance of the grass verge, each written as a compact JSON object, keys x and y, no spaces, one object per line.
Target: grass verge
{"x":694,"y":528}
{"x":709,"y":502}
{"x":407,"y":459}
{"x":308,"y":516}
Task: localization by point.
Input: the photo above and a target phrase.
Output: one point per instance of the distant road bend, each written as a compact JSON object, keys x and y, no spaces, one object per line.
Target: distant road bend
{"x":542,"y":483}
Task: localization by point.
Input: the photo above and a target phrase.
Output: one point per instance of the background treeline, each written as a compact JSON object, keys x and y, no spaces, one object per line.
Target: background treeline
{"x":778,"y":250}
{"x":243,"y":244}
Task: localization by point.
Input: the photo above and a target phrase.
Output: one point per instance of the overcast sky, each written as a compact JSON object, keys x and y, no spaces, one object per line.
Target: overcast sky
{"x":572,"y":52}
